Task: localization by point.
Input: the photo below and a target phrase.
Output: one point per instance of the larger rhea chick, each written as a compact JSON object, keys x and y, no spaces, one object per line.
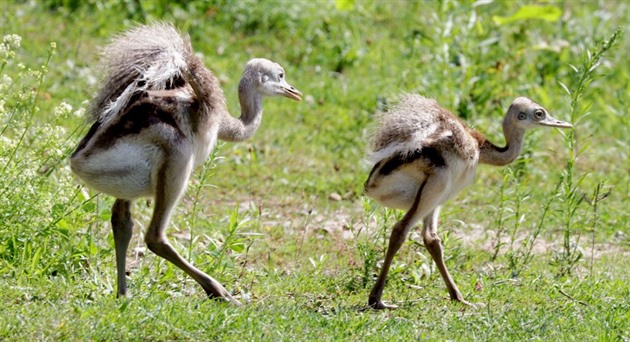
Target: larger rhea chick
{"x":423,"y":155}
{"x":158,"y":115}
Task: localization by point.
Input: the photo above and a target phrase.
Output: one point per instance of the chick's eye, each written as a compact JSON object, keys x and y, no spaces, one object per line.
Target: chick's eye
{"x":281,"y":75}
{"x":522,"y":116}
{"x":539,"y":114}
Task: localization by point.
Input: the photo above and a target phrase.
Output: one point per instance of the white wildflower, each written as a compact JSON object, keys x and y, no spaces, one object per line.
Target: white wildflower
{"x":79,"y":113}
{"x":7,"y":143}
{"x":12,"y":40}
{"x":63,"y":110}
{"x":57,"y":132}
{"x":9,"y":43}
{"x":36,"y":74}
{"x":5,"y":82}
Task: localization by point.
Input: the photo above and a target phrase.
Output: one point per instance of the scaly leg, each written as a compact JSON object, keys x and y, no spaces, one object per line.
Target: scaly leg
{"x":427,"y":198}
{"x":172,"y":179}
{"x":433,"y":244}
{"x":122,"y":227}
{"x":399,"y":234}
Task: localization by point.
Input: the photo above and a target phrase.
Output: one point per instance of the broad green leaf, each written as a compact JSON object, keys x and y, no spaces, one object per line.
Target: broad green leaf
{"x":238,"y":247}
{"x":93,"y":248}
{"x":345,"y":5}
{"x":88,"y":207}
{"x":547,"y":13}
{"x":63,"y":224}
{"x":105,"y":214}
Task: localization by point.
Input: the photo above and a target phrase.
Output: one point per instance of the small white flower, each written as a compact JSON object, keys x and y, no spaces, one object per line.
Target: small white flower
{"x":63,"y":110}
{"x":12,"y":40}
{"x":9,"y":42}
{"x":79,"y":113}
{"x":5,"y":82}
{"x":7,"y":144}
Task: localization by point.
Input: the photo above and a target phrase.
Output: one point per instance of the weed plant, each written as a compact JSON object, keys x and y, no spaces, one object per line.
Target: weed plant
{"x":572,"y":218}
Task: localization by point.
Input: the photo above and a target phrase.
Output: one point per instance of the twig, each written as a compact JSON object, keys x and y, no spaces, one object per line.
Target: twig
{"x":570,"y":297}
{"x":306,"y":222}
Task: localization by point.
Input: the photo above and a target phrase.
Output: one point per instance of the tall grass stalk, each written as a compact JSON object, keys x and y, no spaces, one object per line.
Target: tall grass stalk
{"x":570,"y":178}
{"x":234,"y":242}
{"x":599,"y":194}
{"x":524,"y":253}
{"x":200,"y":182}
{"x":500,"y":219}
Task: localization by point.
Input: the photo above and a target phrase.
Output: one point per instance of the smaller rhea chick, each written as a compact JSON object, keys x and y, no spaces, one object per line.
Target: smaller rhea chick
{"x":423,"y":155}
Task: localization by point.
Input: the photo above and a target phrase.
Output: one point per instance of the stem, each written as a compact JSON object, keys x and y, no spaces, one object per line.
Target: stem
{"x":500,"y":229}
{"x":539,"y":228}
{"x":571,"y":186}
{"x":208,"y":167}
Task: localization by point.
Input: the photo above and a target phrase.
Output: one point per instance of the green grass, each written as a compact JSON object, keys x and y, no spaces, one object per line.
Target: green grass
{"x":526,"y":240}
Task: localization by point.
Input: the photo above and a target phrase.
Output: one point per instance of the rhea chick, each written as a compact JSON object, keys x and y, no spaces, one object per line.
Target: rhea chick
{"x":423,"y":155}
{"x":157,"y":116}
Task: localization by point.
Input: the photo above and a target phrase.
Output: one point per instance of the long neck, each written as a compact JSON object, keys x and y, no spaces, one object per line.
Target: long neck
{"x":233,"y":129}
{"x":491,"y":154}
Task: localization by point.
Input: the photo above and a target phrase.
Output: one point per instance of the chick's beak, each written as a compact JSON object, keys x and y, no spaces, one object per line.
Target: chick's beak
{"x":292,"y":93}
{"x":551,"y":122}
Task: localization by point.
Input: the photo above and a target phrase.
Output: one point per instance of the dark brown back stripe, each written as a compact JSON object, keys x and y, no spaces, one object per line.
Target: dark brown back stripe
{"x":87,"y":137}
{"x":372,"y":173}
{"x":430,"y":154}
{"x":137,"y":118}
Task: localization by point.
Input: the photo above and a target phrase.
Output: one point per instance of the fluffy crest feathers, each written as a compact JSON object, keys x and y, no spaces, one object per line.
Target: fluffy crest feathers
{"x":147,"y":57}
{"x":403,"y":127}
